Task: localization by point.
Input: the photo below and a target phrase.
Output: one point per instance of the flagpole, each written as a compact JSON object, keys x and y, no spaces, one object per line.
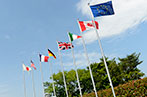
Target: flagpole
{"x":102,"y":53}
{"x":24,"y":83}
{"x":52,"y":78}
{"x":74,"y":62}
{"x":42,"y":79}
{"x":88,"y":62}
{"x":33,"y":84}
{"x":62,"y":70}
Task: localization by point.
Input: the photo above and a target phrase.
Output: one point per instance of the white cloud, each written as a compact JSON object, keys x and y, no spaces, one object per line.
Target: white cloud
{"x":128,"y":14}
{"x":81,"y":58}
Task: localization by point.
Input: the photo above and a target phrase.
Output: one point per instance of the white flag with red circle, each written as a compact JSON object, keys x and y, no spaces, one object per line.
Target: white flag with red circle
{"x":26,"y":68}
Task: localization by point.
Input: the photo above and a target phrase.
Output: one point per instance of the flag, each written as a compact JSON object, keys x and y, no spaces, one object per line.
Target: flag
{"x":26,"y":68}
{"x":73,"y":36}
{"x":64,"y":45}
{"x":43,"y":58}
{"x":51,"y":54}
{"x":32,"y":65}
{"x":86,"y":25}
{"x":102,"y":9}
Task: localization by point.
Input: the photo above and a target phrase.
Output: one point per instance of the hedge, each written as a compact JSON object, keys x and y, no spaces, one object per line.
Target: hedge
{"x":135,"y":88}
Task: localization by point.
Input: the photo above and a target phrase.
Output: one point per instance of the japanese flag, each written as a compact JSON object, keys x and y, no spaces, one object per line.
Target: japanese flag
{"x":26,"y":68}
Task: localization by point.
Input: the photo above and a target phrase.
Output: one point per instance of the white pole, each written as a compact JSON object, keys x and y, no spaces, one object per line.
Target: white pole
{"x":62,"y":71}
{"x":102,"y":53}
{"x":74,"y":62}
{"x":42,"y":79}
{"x":34,"y":93}
{"x":52,"y":79}
{"x":88,"y":62}
{"x":24,"y":83}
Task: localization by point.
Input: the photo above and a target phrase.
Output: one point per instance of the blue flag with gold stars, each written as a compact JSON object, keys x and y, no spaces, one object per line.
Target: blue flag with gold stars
{"x":102,"y":9}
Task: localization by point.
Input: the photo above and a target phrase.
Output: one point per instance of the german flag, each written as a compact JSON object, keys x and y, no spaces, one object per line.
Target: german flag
{"x":51,"y":54}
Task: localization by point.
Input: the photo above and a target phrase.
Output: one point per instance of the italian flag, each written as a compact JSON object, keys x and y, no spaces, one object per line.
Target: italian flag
{"x":73,"y":36}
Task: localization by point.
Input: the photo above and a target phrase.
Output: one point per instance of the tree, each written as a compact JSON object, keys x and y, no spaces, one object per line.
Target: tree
{"x":85,"y":80}
{"x":71,"y":83}
{"x":59,"y":85}
{"x":100,"y":74}
{"x":128,"y":67}
{"x":121,"y":72}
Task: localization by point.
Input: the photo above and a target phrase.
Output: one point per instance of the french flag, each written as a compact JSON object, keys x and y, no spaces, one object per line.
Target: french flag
{"x":43,"y":58}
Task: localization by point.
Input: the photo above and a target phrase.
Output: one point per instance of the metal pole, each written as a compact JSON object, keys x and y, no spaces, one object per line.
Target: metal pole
{"x":34,"y":93}
{"x":76,"y":73}
{"x":102,"y":53}
{"x":52,"y":79}
{"x":24,"y":84}
{"x":42,"y":79}
{"x":74,"y":62}
{"x":88,"y":63}
{"x":62,"y":71}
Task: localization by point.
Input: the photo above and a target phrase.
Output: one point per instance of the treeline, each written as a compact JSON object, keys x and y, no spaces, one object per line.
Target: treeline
{"x":121,"y":71}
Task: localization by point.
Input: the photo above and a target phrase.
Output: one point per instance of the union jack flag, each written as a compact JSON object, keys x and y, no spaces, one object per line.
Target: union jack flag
{"x":65,"y":45}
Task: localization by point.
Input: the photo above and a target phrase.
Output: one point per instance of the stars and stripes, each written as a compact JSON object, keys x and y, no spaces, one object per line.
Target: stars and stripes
{"x":33,"y":65}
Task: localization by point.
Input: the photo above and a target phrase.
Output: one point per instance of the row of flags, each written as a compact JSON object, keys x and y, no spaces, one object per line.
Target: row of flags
{"x":43,"y":58}
{"x":97,"y":10}
{"x":102,"y":9}
{"x":28,"y":68}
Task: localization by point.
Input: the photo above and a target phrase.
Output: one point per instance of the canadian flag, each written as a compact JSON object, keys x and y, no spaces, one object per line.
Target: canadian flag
{"x":43,"y":58}
{"x":86,"y":25}
{"x":26,"y":68}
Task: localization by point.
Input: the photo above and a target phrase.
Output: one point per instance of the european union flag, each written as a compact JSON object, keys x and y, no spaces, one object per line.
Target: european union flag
{"x":102,"y":9}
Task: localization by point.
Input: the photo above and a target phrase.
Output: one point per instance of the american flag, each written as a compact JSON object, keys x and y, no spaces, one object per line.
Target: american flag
{"x":65,"y":45}
{"x":32,"y":65}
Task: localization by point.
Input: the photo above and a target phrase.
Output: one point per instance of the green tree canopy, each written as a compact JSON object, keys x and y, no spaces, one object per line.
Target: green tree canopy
{"x":121,"y":72}
{"x":128,"y":67}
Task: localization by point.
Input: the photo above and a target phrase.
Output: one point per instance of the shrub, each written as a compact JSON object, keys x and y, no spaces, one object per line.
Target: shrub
{"x":135,"y":88}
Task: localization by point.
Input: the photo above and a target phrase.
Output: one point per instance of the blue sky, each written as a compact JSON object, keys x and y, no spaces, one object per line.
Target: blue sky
{"x":29,"y":27}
